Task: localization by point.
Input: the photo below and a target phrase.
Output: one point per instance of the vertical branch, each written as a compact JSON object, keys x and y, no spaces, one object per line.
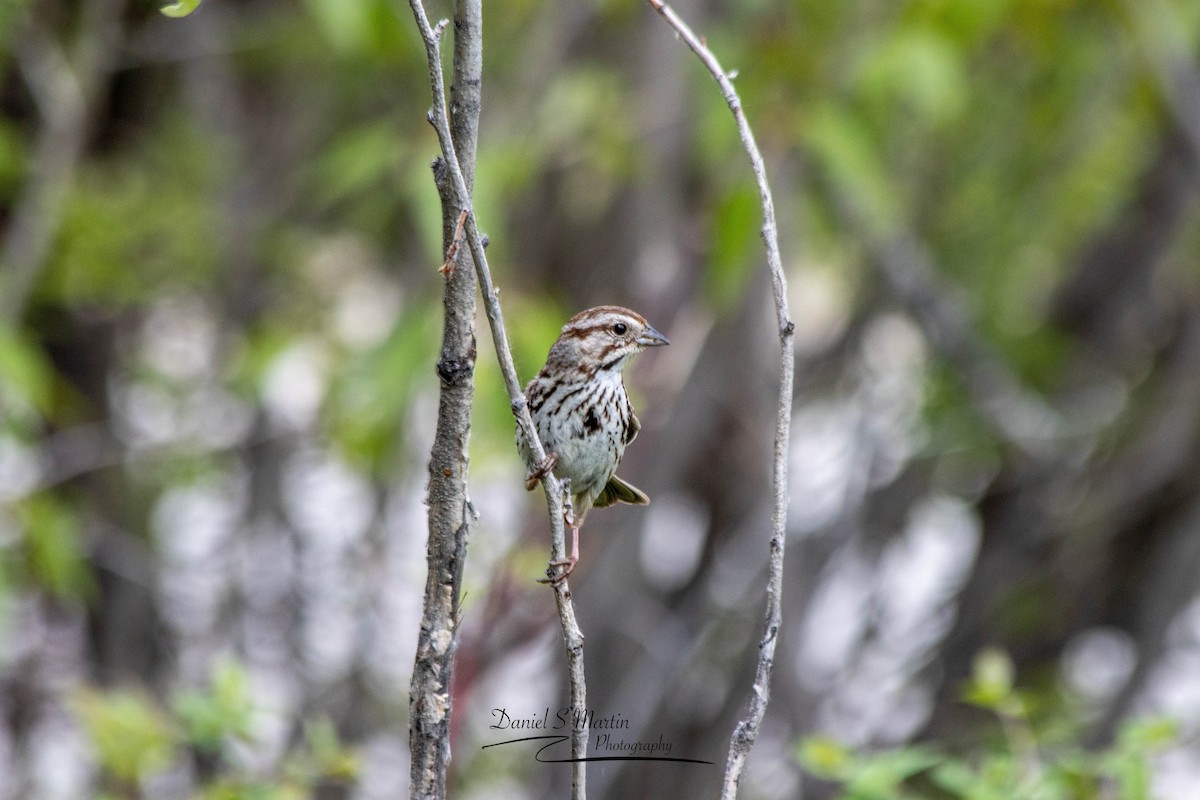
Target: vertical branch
{"x":454,"y":187}
{"x":449,"y":505}
{"x":746,"y":732}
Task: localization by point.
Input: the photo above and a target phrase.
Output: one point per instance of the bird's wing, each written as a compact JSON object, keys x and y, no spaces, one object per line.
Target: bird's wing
{"x":635,"y":425}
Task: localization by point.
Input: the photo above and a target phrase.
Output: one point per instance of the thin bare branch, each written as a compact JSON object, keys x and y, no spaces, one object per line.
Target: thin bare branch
{"x":439,"y":117}
{"x":746,"y":732}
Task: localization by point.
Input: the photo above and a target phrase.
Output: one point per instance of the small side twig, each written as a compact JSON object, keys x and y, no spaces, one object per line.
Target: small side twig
{"x":746,"y":732}
{"x":447,"y":268}
{"x":572,"y":635}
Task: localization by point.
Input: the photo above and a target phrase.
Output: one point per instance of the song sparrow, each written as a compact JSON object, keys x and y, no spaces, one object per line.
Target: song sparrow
{"x":582,"y":414}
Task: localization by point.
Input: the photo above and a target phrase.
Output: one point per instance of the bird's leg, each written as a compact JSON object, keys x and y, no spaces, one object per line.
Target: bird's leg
{"x":540,"y":471}
{"x":568,"y":563}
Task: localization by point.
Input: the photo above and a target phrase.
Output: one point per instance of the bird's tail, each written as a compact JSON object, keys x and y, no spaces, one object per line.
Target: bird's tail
{"x":618,"y":491}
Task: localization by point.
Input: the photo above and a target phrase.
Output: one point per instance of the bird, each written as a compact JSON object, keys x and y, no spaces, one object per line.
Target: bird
{"x":583,"y":415}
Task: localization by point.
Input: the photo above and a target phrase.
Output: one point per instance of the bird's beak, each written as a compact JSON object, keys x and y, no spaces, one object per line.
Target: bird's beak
{"x":652,"y":338}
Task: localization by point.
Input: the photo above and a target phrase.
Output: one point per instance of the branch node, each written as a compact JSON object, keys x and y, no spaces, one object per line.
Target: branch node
{"x":442,"y":177}
{"x":453,"y":370}
{"x":437,"y":29}
{"x":771,"y":634}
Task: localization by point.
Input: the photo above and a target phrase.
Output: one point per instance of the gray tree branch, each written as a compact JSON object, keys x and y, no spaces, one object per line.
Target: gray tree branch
{"x":746,"y":732}
{"x":450,"y":511}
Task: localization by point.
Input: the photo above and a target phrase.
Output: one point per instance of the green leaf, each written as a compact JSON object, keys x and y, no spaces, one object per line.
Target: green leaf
{"x":180,"y":8}
{"x":130,"y":736}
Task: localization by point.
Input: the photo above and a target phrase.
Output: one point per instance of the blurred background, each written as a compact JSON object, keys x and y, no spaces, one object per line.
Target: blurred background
{"x":219,"y":317}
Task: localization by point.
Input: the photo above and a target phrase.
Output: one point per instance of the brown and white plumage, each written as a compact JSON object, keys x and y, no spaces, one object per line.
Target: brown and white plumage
{"x":581,"y":410}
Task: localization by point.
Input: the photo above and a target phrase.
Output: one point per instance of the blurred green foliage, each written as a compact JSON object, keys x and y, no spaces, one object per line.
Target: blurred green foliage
{"x":370,"y":398}
{"x":141,"y":225}
{"x":53,"y":554}
{"x":224,"y":712}
{"x":131,"y":736}
{"x":1032,"y":758}
{"x":134,"y":739}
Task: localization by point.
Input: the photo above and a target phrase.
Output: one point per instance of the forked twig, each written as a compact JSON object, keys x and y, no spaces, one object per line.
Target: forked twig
{"x":746,"y":732}
{"x":439,"y":117}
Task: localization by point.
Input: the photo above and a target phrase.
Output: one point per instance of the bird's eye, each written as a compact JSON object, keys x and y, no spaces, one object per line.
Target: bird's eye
{"x":620,"y":328}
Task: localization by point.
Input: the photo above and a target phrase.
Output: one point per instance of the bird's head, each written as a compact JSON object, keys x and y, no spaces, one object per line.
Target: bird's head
{"x":605,"y":338}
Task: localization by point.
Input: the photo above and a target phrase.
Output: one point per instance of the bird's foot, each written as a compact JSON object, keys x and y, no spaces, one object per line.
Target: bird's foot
{"x":565,"y":566}
{"x":540,"y":471}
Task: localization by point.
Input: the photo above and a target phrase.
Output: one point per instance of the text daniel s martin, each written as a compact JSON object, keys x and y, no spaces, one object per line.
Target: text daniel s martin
{"x":575,"y":718}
